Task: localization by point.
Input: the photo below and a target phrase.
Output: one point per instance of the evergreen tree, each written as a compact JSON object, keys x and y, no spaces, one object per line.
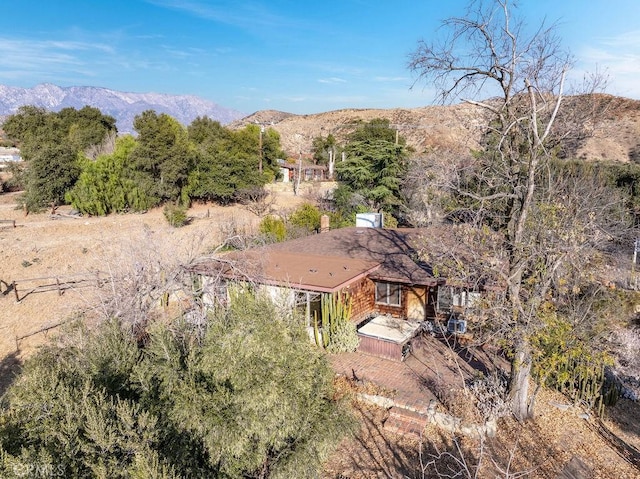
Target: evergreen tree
{"x":163,"y":156}
{"x":374,"y":168}
{"x":227,"y":162}
{"x":108,"y":184}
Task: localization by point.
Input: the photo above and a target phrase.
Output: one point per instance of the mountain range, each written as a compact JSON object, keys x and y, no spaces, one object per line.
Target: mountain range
{"x":123,"y":106}
{"x":612,"y":131}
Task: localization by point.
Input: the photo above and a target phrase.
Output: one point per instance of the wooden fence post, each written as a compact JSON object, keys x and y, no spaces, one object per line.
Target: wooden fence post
{"x":15,"y":290}
{"x":59,"y":289}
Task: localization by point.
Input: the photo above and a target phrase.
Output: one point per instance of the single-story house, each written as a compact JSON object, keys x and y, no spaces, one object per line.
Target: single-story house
{"x":393,"y":293}
{"x":307,"y":172}
{"x":9,"y":155}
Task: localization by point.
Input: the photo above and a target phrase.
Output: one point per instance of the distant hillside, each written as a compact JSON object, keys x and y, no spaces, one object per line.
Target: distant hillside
{"x":612,"y":131}
{"x":122,"y":106}
{"x":449,"y":127}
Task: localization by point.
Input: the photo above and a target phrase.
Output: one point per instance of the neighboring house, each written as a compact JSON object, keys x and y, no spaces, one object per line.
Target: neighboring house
{"x":306,"y":171}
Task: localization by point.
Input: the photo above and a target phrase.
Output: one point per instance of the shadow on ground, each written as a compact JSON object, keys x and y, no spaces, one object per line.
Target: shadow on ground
{"x":9,"y":367}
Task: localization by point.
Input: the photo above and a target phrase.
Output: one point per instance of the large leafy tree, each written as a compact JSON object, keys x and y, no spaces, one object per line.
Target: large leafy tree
{"x":29,"y":120}
{"x":51,"y":144}
{"x":249,"y":397}
{"x":52,"y":170}
{"x":163,"y":156}
{"x":227,"y":162}
{"x":323,"y":149}
{"x":263,"y":144}
{"x":85,"y":127}
{"x":547,"y":222}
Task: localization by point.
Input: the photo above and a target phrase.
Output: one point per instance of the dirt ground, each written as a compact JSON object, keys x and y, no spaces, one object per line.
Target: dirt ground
{"x":558,"y":441}
{"x":40,"y":249}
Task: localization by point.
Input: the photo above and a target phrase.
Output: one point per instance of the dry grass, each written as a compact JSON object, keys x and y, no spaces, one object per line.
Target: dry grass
{"x":41,"y":247}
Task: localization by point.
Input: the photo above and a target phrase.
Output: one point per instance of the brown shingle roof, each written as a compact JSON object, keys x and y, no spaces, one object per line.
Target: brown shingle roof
{"x":393,"y":249}
{"x":314,"y":272}
{"x":397,"y":253}
{"x":295,"y":270}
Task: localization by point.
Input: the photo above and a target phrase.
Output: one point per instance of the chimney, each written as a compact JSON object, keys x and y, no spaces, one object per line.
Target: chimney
{"x":324,"y":223}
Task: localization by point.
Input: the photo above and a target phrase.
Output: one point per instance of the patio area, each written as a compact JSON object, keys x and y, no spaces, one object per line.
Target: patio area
{"x":412,"y":384}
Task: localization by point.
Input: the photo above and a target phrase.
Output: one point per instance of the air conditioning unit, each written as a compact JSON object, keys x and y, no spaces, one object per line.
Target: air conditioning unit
{"x":456,"y":326}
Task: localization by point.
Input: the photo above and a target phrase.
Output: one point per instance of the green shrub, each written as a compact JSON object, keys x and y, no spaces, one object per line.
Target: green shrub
{"x":273,"y":228}
{"x":245,"y":396}
{"x":306,"y":216}
{"x":176,"y":215}
{"x":344,"y":338}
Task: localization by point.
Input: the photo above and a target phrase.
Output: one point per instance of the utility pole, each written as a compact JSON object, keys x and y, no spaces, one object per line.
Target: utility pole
{"x":260,"y":148}
{"x":297,"y":183}
{"x":636,"y":248}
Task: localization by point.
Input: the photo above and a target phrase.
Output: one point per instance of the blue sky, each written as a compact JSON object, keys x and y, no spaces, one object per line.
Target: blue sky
{"x":291,"y":55}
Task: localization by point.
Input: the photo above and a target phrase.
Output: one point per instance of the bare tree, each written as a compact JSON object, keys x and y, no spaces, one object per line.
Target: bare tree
{"x":106,"y":147}
{"x":510,"y":184}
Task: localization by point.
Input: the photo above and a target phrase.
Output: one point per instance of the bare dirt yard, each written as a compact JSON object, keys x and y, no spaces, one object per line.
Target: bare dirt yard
{"x":43,"y":250}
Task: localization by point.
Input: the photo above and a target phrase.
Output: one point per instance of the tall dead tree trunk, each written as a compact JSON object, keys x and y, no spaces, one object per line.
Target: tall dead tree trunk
{"x":521,"y":403}
{"x":488,"y":47}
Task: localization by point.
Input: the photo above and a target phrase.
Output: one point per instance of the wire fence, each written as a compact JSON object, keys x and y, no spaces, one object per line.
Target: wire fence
{"x":24,"y":287}
{"x":7,"y":223}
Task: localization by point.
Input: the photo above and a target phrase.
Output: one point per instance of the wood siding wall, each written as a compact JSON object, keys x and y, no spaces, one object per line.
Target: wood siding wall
{"x":395,"y":311}
{"x":380,"y":348}
{"x":402,"y":310}
{"x":362,"y":299}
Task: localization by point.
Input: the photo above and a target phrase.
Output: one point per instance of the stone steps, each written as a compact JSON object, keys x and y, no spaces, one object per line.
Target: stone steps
{"x":406,"y":422}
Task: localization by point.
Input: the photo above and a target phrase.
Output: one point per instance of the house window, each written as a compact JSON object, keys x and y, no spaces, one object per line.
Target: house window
{"x":388,"y":293}
{"x":308,"y":304}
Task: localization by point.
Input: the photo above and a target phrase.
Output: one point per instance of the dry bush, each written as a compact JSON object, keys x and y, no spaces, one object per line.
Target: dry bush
{"x":257,"y":200}
{"x":146,"y":278}
{"x":627,"y":367}
{"x":490,"y":396}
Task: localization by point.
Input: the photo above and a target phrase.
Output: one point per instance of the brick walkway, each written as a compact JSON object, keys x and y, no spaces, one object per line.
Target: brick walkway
{"x":407,"y":382}
{"x":404,"y":382}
